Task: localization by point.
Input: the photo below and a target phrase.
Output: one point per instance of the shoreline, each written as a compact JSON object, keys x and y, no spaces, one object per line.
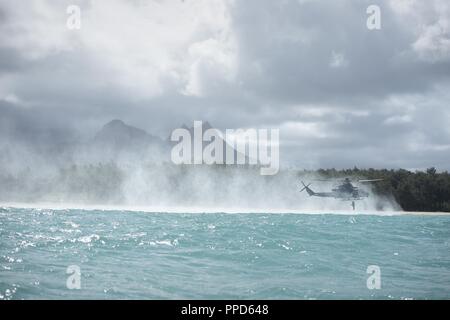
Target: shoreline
{"x":201,"y":210}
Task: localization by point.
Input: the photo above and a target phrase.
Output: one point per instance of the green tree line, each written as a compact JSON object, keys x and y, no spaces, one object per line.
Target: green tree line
{"x":414,"y":191}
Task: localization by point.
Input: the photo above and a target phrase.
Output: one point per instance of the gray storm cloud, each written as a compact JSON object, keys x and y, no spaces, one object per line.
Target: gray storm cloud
{"x":340,"y":94}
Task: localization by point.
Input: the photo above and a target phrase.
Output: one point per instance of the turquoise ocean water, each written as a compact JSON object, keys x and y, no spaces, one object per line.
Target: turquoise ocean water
{"x":138,"y":255}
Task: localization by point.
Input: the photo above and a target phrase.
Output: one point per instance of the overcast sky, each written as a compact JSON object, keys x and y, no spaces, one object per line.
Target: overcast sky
{"x":342,"y":95}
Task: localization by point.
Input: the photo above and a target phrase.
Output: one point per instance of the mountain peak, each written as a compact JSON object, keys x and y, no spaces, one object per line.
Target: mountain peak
{"x":119,"y":134}
{"x":115,"y":123}
{"x":117,"y":128}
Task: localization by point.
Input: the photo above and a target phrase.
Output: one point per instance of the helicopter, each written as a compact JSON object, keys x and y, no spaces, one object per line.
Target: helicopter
{"x":345,"y":191}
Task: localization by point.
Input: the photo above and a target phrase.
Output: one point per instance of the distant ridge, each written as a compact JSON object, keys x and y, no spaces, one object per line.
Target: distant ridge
{"x":118,"y":135}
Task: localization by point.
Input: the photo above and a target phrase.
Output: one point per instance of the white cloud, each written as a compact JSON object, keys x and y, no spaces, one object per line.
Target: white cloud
{"x":38,"y":28}
{"x":338,"y":60}
{"x":434,"y":41}
{"x":396,"y":120}
{"x":147,"y":47}
{"x":209,"y":59}
{"x":430,"y":23}
{"x":310,"y":68}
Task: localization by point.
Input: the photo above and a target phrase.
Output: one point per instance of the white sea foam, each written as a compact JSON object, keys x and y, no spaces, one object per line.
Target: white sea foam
{"x":89,"y":239}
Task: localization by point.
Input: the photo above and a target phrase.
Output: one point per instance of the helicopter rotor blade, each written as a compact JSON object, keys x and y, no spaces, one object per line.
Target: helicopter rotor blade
{"x":370,"y":180}
{"x":349,"y":179}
